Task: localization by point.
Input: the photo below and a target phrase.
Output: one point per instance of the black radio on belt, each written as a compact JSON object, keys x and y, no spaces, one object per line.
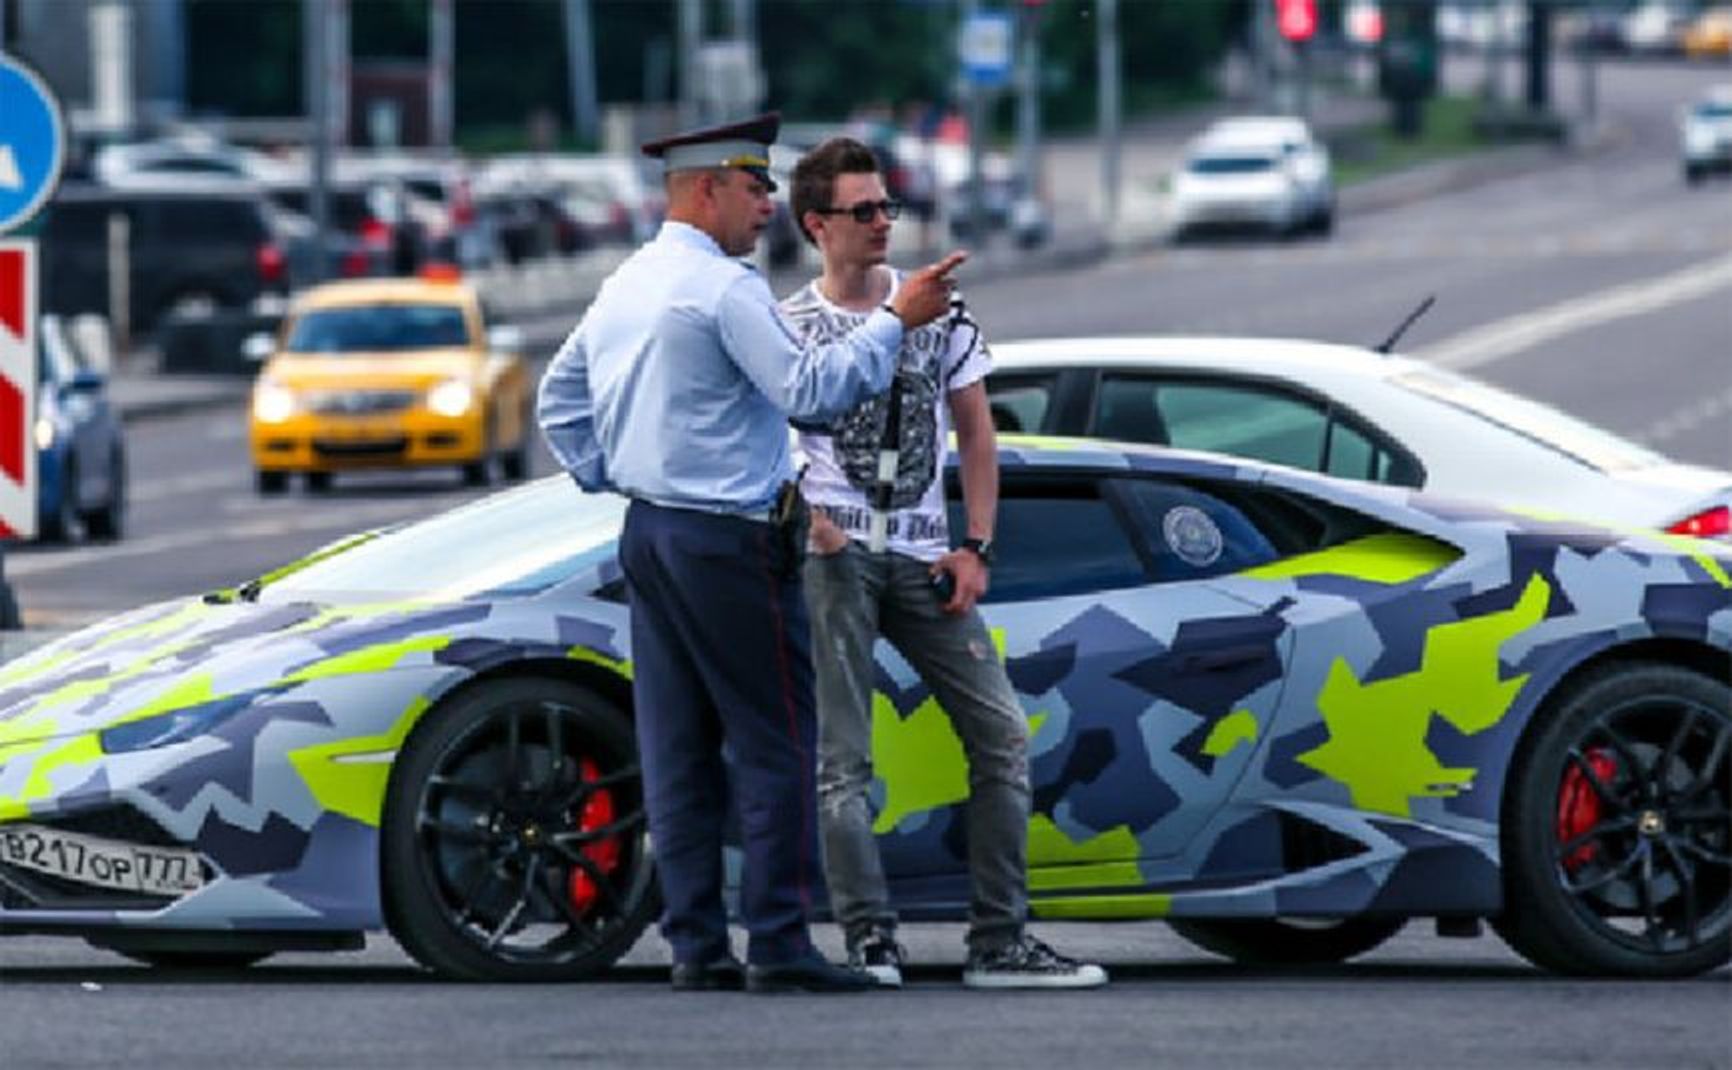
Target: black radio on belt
{"x":790,"y":518}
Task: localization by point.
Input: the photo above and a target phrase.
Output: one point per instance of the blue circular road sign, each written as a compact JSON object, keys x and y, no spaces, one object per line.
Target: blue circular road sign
{"x":32,"y":143}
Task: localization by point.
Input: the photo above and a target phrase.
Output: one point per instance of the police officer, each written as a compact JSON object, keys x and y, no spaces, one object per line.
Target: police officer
{"x":675,"y":389}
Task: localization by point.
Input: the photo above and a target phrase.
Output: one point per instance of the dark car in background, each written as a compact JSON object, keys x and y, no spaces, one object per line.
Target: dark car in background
{"x":80,"y":448}
{"x":186,"y":249}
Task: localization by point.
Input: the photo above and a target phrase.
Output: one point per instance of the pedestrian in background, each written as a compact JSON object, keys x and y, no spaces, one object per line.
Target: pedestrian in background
{"x":674,"y":389}
{"x":914,"y":590}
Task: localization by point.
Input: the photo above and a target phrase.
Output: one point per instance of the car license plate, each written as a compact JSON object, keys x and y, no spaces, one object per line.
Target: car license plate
{"x":125,"y":867}
{"x":362,"y":430}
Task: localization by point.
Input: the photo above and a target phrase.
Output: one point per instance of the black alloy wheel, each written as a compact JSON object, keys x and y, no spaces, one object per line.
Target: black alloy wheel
{"x":1617,"y":827}
{"x":514,"y":838}
{"x":1288,"y":941}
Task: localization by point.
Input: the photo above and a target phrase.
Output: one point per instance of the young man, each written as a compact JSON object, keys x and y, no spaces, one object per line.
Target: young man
{"x":674,"y":390}
{"x":858,"y":590}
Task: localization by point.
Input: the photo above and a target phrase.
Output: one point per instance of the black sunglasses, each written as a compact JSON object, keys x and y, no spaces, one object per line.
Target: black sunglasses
{"x":865,"y":211}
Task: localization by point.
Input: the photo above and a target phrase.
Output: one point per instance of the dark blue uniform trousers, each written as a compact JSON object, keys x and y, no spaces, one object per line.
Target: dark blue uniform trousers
{"x":721,"y":652}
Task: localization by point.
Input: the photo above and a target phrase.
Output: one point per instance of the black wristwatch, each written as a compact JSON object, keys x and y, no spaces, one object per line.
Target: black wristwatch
{"x":981,"y":548}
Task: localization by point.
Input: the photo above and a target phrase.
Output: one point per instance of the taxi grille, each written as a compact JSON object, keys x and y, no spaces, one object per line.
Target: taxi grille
{"x":359,"y":402}
{"x":377,"y":447}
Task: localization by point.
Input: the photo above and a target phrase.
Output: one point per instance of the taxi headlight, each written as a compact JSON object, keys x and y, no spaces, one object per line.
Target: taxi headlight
{"x":451,"y":398}
{"x":273,"y":403}
{"x":44,"y":433}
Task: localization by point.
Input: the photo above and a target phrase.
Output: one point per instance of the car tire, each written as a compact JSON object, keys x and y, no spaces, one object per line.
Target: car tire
{"x":318,"y":482}
{"x":1289,"y":941}
{"x":66,"y":523}
{"x":1617,"y":834}
{"x":270,"y":481}
{"x":199,"y":961}
{"x":513,"y":846}
{"x":108,"y":522}
{"x":514,"y":463}
{"x":1692,"y":174}
{"x":477,"y":473}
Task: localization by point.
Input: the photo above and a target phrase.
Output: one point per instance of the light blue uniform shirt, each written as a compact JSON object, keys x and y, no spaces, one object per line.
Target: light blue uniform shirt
{"x":677,"y":384}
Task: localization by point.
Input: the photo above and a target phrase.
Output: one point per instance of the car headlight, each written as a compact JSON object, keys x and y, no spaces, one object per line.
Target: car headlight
{"x":1698,"y":139}
{"x":451,"y":398}
{"x":44,"y":433}
{"x":175,"y":726}
{"x":273,"y":403}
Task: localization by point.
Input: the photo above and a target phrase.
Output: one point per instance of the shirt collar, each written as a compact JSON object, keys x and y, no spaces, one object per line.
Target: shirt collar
{"x":689,"y":236}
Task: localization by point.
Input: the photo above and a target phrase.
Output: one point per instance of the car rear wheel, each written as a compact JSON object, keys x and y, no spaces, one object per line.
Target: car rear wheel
{"x":514,"y":843}
{"x":66,"y":522}
{"x":1288,"y":941}
{"x":1617,"y":827}
{"x":270,"y":482}
{"x":318,"y":482}
{"x":109,"y":520}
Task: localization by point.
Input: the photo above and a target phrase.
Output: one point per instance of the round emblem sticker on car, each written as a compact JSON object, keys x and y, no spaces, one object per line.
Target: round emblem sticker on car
{"x":1193,"y":536}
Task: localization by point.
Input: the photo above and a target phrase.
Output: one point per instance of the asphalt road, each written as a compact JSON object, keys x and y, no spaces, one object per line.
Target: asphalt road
{"x":1527,"y":257}
{"x":1418,"y":1003}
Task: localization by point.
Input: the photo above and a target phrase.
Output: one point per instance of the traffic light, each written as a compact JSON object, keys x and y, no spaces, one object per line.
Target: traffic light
{"x":1296,"y":19}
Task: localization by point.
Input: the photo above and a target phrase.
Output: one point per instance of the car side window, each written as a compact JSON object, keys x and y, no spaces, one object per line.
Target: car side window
{"x":1125,"y":410}
{"x":1244,"y":421}
{"x":1020,"y":402}
{"x":1190,"y":534}
{"x":1056,"y":537}
{"x":1353,"y":454}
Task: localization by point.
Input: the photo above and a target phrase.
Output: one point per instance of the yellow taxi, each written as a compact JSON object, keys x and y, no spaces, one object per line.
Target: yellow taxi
{"x":388,"y":373}
{"x":1710,"y":36}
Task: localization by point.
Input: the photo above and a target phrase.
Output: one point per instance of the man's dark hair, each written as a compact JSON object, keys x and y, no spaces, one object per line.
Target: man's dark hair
{"x":815,"y":176}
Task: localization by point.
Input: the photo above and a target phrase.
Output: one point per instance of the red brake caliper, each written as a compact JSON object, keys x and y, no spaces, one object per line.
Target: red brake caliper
{"x":597,"y":813}
{"x":1579,"y":805}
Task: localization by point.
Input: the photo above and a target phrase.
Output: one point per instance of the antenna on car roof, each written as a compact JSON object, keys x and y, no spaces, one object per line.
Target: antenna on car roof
{"x":1389,"y":343}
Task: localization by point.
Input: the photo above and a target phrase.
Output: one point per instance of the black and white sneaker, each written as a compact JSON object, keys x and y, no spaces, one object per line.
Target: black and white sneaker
{"x":1028,"y":963}
{"x":879,"y":955}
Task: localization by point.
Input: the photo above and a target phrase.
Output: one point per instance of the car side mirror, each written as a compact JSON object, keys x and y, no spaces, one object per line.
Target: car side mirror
{"x":505,"y":339}
{"x":84,"y":382}
{"x":258,"y":347}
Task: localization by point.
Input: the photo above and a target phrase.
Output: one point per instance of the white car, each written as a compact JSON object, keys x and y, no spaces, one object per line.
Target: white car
{"x":1354,"y":413}
{"x":1260,"y":171}
{"x":1705,"y":130}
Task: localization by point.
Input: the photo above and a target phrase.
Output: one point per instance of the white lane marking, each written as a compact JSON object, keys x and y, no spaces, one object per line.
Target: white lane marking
{"x":354,"y":519}
{"x":1687,"y":419}
{"x":1502,"y":338}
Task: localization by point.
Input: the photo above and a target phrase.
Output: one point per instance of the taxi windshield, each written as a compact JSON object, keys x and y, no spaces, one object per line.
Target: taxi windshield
{"x":378,"y":328}
{"x":1543,"y":424}
{"x":514,"y":543}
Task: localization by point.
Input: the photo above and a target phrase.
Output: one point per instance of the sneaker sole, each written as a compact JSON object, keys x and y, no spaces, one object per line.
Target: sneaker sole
{"x":1091,"y":978}
{"x":886,"y":976}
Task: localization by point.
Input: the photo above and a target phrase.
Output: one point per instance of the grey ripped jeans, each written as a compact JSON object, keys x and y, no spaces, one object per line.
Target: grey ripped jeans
{"x":855,"y":596}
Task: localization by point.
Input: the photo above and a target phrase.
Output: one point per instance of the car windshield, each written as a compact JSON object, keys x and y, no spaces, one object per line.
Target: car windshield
{"x":1714,"y":109}
{"x":378,"y":328}
{"x":1586,"y":443}
{"x":516,"y":542}
{"x":1230,"y":165}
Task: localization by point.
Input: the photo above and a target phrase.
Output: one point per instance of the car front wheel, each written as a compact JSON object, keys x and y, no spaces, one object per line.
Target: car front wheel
{"x":514,"y":841}
{"x":1617,"y":827}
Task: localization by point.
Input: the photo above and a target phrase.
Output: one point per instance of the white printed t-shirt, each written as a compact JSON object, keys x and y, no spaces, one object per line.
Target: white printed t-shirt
{"x":935,"y":359}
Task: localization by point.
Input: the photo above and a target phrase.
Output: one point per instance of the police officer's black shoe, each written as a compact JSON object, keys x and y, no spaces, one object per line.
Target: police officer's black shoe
{"x":724,"y":974}
{"x":807,"y":975}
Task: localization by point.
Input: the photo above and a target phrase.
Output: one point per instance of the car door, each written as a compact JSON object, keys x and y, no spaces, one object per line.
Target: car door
{"x":1139,"y":679}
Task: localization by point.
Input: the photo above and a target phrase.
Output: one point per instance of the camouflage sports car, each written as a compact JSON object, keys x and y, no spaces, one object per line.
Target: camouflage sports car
{"x":1282,"y":712}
